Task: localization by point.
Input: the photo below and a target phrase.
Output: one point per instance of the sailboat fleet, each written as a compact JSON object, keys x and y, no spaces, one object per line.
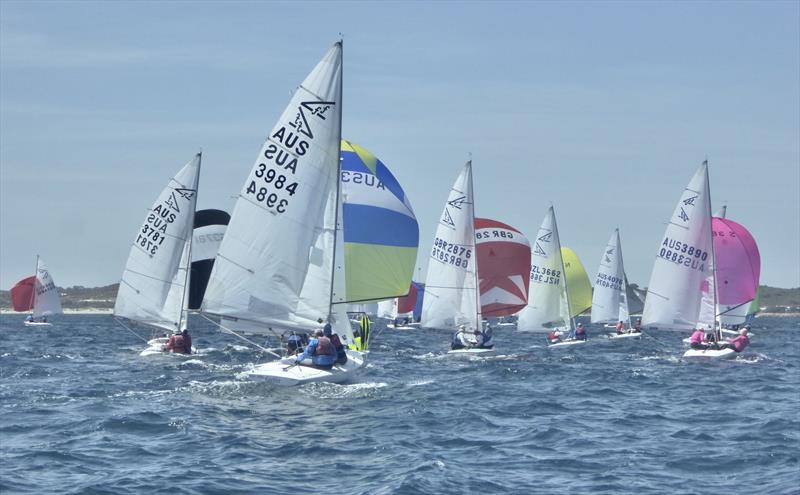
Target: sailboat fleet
{"x":320,"y":225}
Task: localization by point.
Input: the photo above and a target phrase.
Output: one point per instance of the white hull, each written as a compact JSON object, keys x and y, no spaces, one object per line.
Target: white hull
{"x":37,"y":324}
{"x":566,"y":343}
{"x":709,"y":354}
{"x":474,"y":351}
{"x":506,"y":325}
{"x":625,"y":335}
{"x":401,"y":327}
{"x":156,"y":347}
{"x":285,"y":374}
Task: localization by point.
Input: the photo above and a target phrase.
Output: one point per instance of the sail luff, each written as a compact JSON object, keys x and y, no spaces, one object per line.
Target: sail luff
{"x":569,"y":320}
{"x":183,"y":322}
{"x":478,"y":318}
{"x":338,"y":200}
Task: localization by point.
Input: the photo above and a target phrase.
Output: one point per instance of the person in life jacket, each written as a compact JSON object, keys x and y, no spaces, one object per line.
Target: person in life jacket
{"x":738,"y":343}
{"x":637,"y":327}
{"x":320,"y":350}
{"x":460,"y":340}
{"x":697,"y":340}
{"x":295,"y":343}
{"x":487,"y":335}
{"x":580,"y":332}
{"x":341,"y":355}
{"x":620,"y":328}
{"x":177,"y":343}
{"x":477,"y":338}
{"x":554,"y":337}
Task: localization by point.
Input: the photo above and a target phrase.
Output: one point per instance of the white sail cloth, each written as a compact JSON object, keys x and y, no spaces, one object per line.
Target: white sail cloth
{"x":547,"y":297}
{"x":275,"y":264}
{"x":153,"y":286}
{"x":46,"y":300}
{"x":451,"y":285}
{"x":683,"y":273}
{"x":609,"y":298}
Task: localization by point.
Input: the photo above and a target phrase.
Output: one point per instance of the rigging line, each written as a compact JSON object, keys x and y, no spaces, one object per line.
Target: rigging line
{"x":268,"y":351}
{"x":126,"y":327}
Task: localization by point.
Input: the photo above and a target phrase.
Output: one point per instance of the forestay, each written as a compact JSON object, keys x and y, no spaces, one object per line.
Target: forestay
{"x":152,"y":289}
{"x":547,"y":302}
{"x":275,"y":265}
{"x":451,"y":297}
{"x":609,"y":300}
{"x":683,"y":270}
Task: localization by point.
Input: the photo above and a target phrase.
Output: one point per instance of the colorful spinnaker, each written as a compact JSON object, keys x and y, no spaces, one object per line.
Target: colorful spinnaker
{"x":504,"y":261}
{"x":738,"y":269}
{"x":579,"y":288}
{"x":381,"y":233}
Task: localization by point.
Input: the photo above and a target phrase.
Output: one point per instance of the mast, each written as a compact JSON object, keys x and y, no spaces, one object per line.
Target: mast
{"x":713,"y":257}
{"x":187,"y":280}
{"x":338,"y":177}
{"x":624,"y":279}
{"x":35,"y":279}
{"x":570,"y":320}
{"x":479,"y":319}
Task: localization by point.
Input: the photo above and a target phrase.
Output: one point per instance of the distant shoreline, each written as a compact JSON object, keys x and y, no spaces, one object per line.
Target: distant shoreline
{"x":67,"y":311}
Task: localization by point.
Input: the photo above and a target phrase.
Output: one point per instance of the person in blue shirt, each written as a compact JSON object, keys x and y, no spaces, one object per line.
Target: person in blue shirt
{"x":580,"y":332}
{"x":488,"y":342}
{"x":320,"y":350}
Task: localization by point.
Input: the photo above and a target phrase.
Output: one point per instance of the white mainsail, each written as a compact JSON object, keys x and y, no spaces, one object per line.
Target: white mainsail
{"x":547,"y":296}
{"x":683,"y":274}
{"x":156,"y":276}
{"x":275,"y":266}
{"x":46,"y":300}
{"x":609,"y":299}
{"x":451,"y":286}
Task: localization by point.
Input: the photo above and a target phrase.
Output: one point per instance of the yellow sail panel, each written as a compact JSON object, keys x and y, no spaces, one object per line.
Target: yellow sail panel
{"x":579,"y":289}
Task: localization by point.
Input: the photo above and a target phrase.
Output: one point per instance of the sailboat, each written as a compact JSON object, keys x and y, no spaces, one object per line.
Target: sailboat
{"x":37,"y":294}
{"x":452,"y":295}
{"x":400,"y":308}
{"x":610,"y":297}
{"x":549,"y":305}
{"x":280,"y":267}
{"x":154,"y":289}
{"x":682,"y":293}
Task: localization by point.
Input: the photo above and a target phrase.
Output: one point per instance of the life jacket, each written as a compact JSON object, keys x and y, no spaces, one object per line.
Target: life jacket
{"x":177,"y":344}
{"x":324,"y":347}
{"x":337,"y":344}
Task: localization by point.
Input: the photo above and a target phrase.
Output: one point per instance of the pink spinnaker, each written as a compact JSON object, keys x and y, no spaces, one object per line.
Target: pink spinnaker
{"x":738,"y":262}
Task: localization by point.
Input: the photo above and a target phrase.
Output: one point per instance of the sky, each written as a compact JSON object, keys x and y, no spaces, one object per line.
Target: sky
{"x":603,"y":109}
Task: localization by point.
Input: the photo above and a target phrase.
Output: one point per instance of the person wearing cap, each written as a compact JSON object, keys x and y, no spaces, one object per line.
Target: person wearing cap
{"x":697,"y":340}
{"x":320,"y":350}
{"x":477,"y":338}
{"x":620,"y":328}
{"x":487,"y":335}
{"x":554,"y":337}
{"x":460,"y":340}
{"x":738,"y":343}
{"x":341,"y":355}
{"x":580,"y":332}
{"x":637,"y":327}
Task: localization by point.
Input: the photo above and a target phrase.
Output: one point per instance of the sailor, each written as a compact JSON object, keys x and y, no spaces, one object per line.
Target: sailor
{"x":320,"y":350}
{"x":177,"y":344}
{"x":554,"y":337}
{"x":295,"y":343}
{"x":696,"y":341}
{"x":341,"y":355}
{"x":580,"y":332}
{"x":460,"y":340}
{"x":477,"y":338}
{"x":637,"y":327}
{"x":738,"y":343}
{"x":187,"y":340}
{"x":29,"y":318}
{"x":488,"y":343}
{"x":620,"y":328}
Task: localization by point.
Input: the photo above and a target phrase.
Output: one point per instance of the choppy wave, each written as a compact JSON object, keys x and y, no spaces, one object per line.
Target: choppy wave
{"x":86,"y":414}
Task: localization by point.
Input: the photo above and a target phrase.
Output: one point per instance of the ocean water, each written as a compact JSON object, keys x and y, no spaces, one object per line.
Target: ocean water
{"x":81,"y":412}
